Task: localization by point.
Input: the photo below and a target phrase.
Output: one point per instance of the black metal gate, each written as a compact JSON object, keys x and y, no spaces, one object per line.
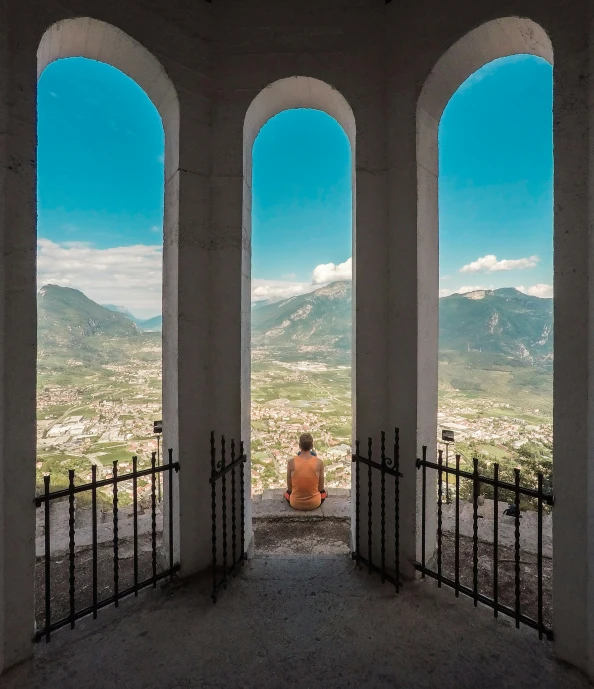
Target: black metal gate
{"x":368,"y":473}
{"x":224,"y":510}
{"x":480,"y":582}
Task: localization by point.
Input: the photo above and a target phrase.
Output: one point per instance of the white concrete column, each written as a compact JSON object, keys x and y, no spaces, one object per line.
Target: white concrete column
{"x":573,"y":515}
{"x":231,"y":278}
{"x":413,"y":311}
{"x":188,"y":307}
{"x":17,"y":347}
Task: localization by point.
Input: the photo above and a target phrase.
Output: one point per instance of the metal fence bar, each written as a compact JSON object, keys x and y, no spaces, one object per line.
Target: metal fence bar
{"x":233,"y":500}
{"x":517,"y":548}
{"x":385,"y":467}
{"x":135,"y":521}
{"x":457,"y":530}
{"x":116,"y":561}
{"x":48,"y":560}
{"x":154,"y":520}
{"x":424,"y":510}
{"x":46,"y":499}
{"x":496,"y":540}
{"x":488,"y":601}
{"x":170,"y":465}
{"x":475,"y":494}
{"x":242,"y":502}
{"x":71,"y":555}
{"x":120,"y":478}
{"x":369,"y":510}
{"x":397,"y":508}
{"x":548,"y":499}
{"x":224,"y":507}
{"x":383,"y":506}
{"x":45,"y":632}
{"x":515,"y":610}
{"x":539,"y":559}
{"x":218,"y":473}
{"x":357,"y":508}
{"x":439,"y":516}
{"x":213,"y":508}
{"x":94,"y":535}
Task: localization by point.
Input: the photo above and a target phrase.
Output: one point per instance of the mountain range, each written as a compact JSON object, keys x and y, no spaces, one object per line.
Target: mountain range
{"x":503,"y":322}
{"x":321,"y":318}
{"x":147,"y":325}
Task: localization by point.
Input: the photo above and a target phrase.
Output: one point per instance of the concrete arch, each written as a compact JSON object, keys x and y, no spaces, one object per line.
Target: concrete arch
{"x":97,"y":40}
{"x":285,"y":94}
{"x":489,"y":41}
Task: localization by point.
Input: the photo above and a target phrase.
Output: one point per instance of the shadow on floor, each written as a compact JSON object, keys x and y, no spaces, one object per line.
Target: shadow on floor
{"x":296,"y":618}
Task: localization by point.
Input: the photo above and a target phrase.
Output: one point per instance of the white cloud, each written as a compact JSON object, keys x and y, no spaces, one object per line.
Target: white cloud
{"x":540,"y":290}
{"x":278,"y":289}
{"x":472,"y":288}
{"x":127,"y":275}
{"x":490,"y":264}
{"x":329,"y":272}
{"x":322,"y":274}
{"x":444,"y":292}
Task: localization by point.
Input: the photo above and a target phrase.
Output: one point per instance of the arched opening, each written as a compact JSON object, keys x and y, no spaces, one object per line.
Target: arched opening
{"x":496,"y":307}
{"x":283,"y":95}
{"x":100,"y":195}
{"x":99,"y":373}
{"x":301,"y":306}
{"x":490,"y":41}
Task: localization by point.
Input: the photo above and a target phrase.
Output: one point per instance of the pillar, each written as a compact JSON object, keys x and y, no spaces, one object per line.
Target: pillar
{"x":17,"y":346}
{"x":573,"y":514}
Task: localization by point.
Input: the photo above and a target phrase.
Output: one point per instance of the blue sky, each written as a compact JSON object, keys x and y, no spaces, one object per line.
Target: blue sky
{"x":100,"y":209}
{"x":496,"y":176}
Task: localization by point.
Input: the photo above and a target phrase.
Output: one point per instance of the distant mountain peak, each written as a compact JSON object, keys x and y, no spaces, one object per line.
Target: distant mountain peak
{"x":120,"y":309}
{"x":67,"y":317}
{"x":477,"y":294}
{"x":340,"y":288}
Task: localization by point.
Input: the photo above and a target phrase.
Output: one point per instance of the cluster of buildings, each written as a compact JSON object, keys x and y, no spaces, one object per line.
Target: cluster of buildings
{"x":479,"y":423}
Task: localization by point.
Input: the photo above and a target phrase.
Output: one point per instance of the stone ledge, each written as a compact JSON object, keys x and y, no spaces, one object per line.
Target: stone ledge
{"x":273,"y":506}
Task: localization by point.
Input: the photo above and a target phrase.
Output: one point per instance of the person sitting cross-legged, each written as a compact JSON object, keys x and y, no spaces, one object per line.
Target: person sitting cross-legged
{"x":305,"y":477}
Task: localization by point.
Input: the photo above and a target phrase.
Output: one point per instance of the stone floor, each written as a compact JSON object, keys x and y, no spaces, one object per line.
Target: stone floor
{"x":299,"y":615}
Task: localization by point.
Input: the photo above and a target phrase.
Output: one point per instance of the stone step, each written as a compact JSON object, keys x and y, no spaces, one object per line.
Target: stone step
{"x":334,"y":507}
{"x":278,"y":493}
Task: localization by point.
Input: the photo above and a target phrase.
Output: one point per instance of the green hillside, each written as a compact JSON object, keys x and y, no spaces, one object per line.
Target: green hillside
{"x":322,"y":318}
{"x":502,"y":322}
{"x":70,"y":326}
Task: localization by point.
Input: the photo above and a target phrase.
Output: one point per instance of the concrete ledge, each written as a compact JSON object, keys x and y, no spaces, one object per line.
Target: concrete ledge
{"x":272,"y":506}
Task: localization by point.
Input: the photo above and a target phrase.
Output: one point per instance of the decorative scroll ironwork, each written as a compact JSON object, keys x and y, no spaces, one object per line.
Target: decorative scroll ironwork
{"x":219,"y":468}
{"x":491,"y":598}
{"x":76,"y":611}
{"x":388,"y":467}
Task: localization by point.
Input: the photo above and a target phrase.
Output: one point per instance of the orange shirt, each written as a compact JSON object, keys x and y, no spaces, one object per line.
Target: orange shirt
{"x":305,"y":481}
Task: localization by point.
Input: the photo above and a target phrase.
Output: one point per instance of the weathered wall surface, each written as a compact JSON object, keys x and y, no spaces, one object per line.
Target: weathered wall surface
{"x":217,"y":58}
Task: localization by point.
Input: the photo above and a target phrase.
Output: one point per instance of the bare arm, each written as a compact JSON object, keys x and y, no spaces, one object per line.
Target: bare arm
{"x":290,"y":464}
{"x":321,"y":477}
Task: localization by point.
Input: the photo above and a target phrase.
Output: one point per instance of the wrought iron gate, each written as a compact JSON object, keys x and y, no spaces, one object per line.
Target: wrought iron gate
{"x":225,"y":563}
{"x":387,"y":469}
